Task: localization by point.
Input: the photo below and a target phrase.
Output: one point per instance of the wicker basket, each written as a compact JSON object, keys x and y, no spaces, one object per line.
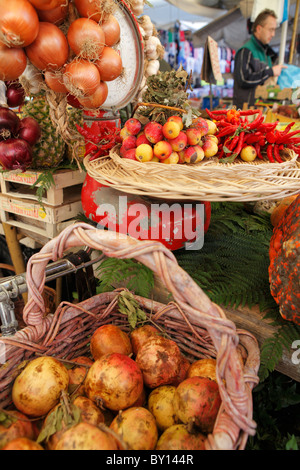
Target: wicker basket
{"x":199,"y":327}
{"x":208,"y":180}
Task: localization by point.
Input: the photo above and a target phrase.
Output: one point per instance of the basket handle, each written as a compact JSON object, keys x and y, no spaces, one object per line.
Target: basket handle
{"x":186,"y":293}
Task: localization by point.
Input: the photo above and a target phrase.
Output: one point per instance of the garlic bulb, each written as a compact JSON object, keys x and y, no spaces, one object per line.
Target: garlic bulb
{"x":152,"y":67}
{"x":32,"y":80}
{"x":153,"y":48}
{"x":137,"y":7}
{"x":147,"y":25}
{"x":3,"y":98}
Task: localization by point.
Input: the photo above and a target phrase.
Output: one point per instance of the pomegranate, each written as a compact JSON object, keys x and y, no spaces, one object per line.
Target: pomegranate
{"x":37,"y":389}
{"x":109,"y":339}
{"x":114,"y":381}
{"x":159,"y":360}
{"x":78,"y":373}
{"x":22,"y":443}
{"x":203,"y":368}
{"x":137,"y":427}
{"x":90,"y":413}
{"x":140,"y":335}
{"x":197,"y":400}
{"x":85,"y":436}
{"x":178,"y":437}
{"x":160,"y":404}
{"x":14,"y":425}
{"x":142,"y":399}
{"x":184,"y":366}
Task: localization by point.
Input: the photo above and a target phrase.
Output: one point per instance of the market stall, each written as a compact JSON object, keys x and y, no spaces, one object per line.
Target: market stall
{"x":107,"y":164}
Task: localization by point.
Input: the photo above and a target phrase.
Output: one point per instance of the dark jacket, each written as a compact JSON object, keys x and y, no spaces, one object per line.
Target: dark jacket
{"x":252,"y":67}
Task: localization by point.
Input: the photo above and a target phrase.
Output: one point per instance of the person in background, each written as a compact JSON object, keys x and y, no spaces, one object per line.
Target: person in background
{"x":254,"y":61}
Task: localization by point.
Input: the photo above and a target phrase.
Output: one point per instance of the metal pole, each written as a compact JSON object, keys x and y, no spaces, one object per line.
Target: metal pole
{"x":284,"y":28}
{"x":293,"y":40}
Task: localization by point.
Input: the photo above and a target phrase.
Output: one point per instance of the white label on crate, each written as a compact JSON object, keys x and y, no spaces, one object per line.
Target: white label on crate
{"x":25,"y":178}
{"x":34,"y":212}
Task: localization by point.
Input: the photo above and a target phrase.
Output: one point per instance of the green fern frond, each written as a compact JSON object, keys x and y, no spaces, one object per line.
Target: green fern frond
{"x":129,"y":273}
{"x":273,"y":347}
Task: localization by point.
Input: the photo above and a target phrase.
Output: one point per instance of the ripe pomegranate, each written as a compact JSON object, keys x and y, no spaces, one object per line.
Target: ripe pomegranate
{"x":61,"y":417}
{"x":137,"y":427}
{"x":160,"y":404}
{"x":184,"y":366}
{"x":22,"y":443}
{"x":140,"y":335}
{"x":178,"y":437}
{"x":159,"y":360}
{"x":90,"y":413}
{"x":114,"y":381}
{"x":197,"y":400}
{"x":142,"y":399}
{"x":109,"y":339}
{"x":37,"y":389}
{"x":203,"y":368}
{"x":15,"y":425}
{"x":78,"y":373}
{"x":85,"y":436}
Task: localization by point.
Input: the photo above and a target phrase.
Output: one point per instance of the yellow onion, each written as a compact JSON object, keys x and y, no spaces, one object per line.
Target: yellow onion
{"x":19,"y":23}
{"x":13,"y":62}
{"x":81,"y":78}
{"x":50,"y":49}
{"x":86,"y":38}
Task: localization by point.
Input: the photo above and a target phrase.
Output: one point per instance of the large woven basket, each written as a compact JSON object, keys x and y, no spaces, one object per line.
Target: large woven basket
{"x":208,"y":180}
{"x":199,"y":327}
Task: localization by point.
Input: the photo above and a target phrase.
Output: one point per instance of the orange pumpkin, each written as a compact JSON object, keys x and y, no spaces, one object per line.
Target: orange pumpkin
{"x":284,"y":268}
{"x":280,"y":209}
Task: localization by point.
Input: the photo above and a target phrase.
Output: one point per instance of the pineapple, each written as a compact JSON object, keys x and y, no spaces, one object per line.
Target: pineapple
{"x":50,"y":150}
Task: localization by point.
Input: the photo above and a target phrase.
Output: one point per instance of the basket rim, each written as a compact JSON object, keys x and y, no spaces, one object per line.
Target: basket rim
{"x":207,"y":180}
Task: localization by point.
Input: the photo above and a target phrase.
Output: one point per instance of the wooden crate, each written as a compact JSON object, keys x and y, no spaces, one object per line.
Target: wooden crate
{"x":42,"y":220}
{"x":19,"y":185}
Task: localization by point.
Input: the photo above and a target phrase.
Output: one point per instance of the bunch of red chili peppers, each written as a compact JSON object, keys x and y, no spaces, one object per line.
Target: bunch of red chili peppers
{"x":100,"y":137}
{"x":235,"y":131}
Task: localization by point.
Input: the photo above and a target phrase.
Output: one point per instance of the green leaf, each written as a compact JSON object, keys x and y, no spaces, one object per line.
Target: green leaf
{"x":6,"y":419}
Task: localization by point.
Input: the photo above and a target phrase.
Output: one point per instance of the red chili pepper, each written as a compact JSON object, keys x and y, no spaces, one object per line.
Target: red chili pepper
{"x":271,"y":137}
{"x":227,"y":130}
{"x":257,"y":121}
{"x":276,"y":154}
{"x":270,"y":153}
{"x":250,"y":112}
{"x":287,"y":137}
{"x":240,"y":143}
{"x":258,"y":151}
{"x":216,"y":114}
{"x":295,"y":140}
{"x":295,"y":148}
{"x":252,"y":138}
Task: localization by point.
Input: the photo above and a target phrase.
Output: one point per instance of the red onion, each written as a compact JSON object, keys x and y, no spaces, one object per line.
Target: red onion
{"x":29,"y":130}
{"x":9,"y":120}
{"x":15,"y":154}
{"x":15,"y":94}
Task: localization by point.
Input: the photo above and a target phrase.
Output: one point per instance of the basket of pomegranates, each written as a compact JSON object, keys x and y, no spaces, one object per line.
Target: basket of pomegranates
{"x":79,"y":377}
